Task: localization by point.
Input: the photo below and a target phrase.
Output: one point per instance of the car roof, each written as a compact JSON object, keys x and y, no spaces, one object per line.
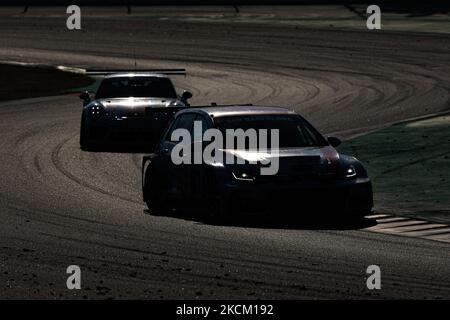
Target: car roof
{"x":237,"y":110}
{"x":135,"y":74}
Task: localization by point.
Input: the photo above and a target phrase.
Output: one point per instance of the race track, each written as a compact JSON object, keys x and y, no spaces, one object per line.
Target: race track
{"x":60,"y":206}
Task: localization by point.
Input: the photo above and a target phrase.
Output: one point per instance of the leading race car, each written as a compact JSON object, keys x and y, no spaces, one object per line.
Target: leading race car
{"x":129,"y":107}
{"x":312,"y":178}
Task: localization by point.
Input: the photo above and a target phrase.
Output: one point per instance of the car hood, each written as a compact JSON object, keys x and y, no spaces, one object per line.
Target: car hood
{"x":307,"y":159}
{"x":127,"y":107}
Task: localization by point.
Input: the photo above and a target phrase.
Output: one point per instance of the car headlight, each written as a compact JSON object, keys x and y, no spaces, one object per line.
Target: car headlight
{"x":243,"y":175}
{"x":97,"y":110}
{"x":175,"y":103}
{"x":350,"y":172}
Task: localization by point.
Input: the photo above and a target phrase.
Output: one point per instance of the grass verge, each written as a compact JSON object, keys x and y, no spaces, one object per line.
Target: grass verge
{"x":409,"y":163}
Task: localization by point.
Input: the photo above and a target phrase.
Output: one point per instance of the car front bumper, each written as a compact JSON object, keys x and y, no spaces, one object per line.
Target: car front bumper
{"x":332,"y":198}
{"x":130,"y":130}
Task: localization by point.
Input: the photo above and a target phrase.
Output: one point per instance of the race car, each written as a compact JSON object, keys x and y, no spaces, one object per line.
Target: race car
{"x":312,"y":178}
{"x":130,"y":108}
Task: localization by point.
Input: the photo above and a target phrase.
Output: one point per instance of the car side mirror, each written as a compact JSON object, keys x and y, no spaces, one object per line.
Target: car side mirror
{"x":186,"y":95}
{"x":334,"y":142}
{"x":85,"y":96}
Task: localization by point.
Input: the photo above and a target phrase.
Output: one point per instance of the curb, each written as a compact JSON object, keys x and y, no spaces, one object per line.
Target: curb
{"x":409,"y":227}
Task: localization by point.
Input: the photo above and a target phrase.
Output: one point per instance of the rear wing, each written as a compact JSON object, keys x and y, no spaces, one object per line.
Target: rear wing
{"x":105,"y":72}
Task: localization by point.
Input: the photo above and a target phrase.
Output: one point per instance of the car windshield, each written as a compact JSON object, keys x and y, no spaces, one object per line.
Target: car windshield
{"x":294,"y":132}
{"x":142,"y":87}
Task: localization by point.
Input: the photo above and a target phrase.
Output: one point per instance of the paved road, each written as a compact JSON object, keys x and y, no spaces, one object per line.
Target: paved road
{"x":60,"y":206}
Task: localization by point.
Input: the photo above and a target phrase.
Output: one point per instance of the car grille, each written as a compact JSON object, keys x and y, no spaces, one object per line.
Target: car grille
{"x":294,"y":169}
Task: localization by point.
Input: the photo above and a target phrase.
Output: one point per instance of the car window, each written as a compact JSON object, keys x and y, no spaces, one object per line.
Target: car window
{"x":141,"y":87}
{"x":293,"y":131}
{"x":205,"y":124}
{"x":185,"y":121}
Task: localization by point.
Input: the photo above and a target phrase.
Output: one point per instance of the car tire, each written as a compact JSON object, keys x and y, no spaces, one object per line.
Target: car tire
{"x":84,"y":136}
{"x":153,"y":197}
{"x":215,"y":210}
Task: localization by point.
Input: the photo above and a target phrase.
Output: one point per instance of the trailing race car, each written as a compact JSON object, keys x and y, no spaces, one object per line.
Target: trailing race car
{"x":129,"y":107}
{"x":312,"y":177}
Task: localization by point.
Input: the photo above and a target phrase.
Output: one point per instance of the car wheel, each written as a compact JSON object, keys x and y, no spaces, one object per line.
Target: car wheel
{"x":217,"y":209}
{"x":153,"y":197}
{"x":84,"y":136}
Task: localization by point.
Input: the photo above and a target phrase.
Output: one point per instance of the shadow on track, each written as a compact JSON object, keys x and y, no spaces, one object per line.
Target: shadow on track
{"x":266,"y":221}
{"x":118,"y":148}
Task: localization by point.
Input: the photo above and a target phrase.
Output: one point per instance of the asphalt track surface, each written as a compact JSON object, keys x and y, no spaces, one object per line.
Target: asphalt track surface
{"x":60,"y":206}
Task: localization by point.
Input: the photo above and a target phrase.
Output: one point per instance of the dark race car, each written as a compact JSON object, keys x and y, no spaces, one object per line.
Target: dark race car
{"x":313,"y":178}
{"x":129,"y":108}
